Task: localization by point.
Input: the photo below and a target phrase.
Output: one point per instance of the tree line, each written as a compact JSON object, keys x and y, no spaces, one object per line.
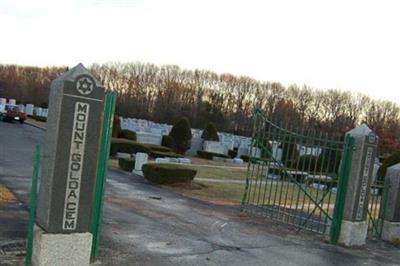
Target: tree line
{"x":165,"y":93}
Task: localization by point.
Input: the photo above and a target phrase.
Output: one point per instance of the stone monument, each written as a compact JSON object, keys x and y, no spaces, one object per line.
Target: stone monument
{"x":354,"y":226}
{"x":391,"y":217}
{"x":69,"y":170}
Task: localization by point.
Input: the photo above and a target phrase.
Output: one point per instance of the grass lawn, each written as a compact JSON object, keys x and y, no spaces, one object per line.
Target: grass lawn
{"x":6,"y":196}
{"x":214,"y":172}
{"x":218,"y":193}
{"x":219,"y":172}
{"x":284,"y":194}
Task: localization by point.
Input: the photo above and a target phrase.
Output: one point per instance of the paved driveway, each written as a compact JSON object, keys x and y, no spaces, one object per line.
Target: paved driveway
{"x":149,"y":225}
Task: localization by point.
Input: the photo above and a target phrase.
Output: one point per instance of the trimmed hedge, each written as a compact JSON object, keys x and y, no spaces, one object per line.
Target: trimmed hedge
{"x":210,"y":155}
{"x":182,"y":135}
{"x":127,"y":134}
{"x":155,"y":147}
{"x":127,"y":146}
{"x":210,"y":132}
{"x":168,"y":141}
{"x":245,"y":158}
{"x":156,"y":154}
{"x":232,"y":153}
{"x":125,"y":164}
{"x":130,"y":146}
{"x":168,"y":173}
{"x":116,"y":129}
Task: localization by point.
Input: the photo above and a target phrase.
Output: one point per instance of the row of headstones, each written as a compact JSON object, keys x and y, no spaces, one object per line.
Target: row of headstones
{"x":151,"y":133}
{"x":29,"y":109}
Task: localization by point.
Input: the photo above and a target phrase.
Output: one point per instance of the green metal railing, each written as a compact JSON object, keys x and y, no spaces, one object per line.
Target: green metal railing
{"x":342,"y":189}
{"x":108,"y":115}
{"x":293,"y":175}
{"x":32,"y":205}
{"x":376,"y":208}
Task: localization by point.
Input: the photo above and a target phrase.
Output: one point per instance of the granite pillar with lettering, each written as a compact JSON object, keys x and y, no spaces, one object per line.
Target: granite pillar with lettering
{"x":68,"y":171}
{"x":391,"y":217}
{"x":354,"y":226}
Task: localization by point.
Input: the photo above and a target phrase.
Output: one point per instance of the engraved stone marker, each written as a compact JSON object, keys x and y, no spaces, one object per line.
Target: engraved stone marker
{"x":354,"y":225}
{"x":361,"y":173}
{"x":70,"y":153}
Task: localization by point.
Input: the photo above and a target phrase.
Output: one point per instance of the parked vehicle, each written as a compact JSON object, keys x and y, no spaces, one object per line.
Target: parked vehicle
{"x":12,"y":113}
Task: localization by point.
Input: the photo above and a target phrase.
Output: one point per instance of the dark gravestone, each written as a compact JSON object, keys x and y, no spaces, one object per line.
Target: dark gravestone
{"x":70,"y":153}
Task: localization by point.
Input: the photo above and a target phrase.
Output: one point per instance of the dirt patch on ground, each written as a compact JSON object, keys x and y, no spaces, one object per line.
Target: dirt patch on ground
{"x":6,"y":196}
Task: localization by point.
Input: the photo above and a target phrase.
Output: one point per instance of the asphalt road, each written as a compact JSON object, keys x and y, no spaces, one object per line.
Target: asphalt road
{"x":149,"y":225}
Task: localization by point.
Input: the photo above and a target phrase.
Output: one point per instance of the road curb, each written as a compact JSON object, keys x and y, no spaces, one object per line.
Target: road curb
{"x":32,"y":125}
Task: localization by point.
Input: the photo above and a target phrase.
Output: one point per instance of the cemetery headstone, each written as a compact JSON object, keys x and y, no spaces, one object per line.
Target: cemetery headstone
{"x":140,"y":160}
{"x":195,"y":145}
{"x":29,"y":109}
{"x":214,"y":146}
{"x":21,"y":108}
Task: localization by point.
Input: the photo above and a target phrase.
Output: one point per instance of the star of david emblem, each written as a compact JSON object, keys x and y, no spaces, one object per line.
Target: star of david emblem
{"x":84,"y":85}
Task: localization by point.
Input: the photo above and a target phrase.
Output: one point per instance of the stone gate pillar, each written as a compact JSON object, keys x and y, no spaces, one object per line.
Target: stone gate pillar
{"x":354,"y":227}
{"x":391,"y":217}
{"x":62,"y":233}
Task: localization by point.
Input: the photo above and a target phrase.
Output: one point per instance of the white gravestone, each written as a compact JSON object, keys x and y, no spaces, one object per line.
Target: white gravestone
{"x":242,"y":150}
{"x":148,"y":138}
{"x":45,"y":112}
{"x":38,"y":111}
{"x":3,"y":101}
{"x":12,"y":101}
{"x":21,"y":108}
{"x":29,"y":109}
{"x":214,"y":146}
{"x":195,"y":145}
{"x":140,"y":160}
{"x":255,"y":152}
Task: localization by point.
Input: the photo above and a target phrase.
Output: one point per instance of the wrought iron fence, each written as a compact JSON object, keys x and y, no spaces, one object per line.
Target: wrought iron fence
{"x":376,"y":208}
{"x":293,"y":175}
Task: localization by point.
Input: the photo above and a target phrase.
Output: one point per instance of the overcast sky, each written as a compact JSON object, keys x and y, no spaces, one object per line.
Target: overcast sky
{"x":348,"y":45}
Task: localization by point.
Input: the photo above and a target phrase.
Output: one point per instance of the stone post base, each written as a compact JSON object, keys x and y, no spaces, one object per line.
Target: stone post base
{"x":137,"y":172}
{"x":61,"y":249}
{"x":353,"y":233}
{"x":391,"y":231}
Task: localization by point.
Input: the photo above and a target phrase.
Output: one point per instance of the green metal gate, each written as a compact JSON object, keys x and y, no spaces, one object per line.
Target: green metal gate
{"x":298,"y":177}
{"x":376,"y":208}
